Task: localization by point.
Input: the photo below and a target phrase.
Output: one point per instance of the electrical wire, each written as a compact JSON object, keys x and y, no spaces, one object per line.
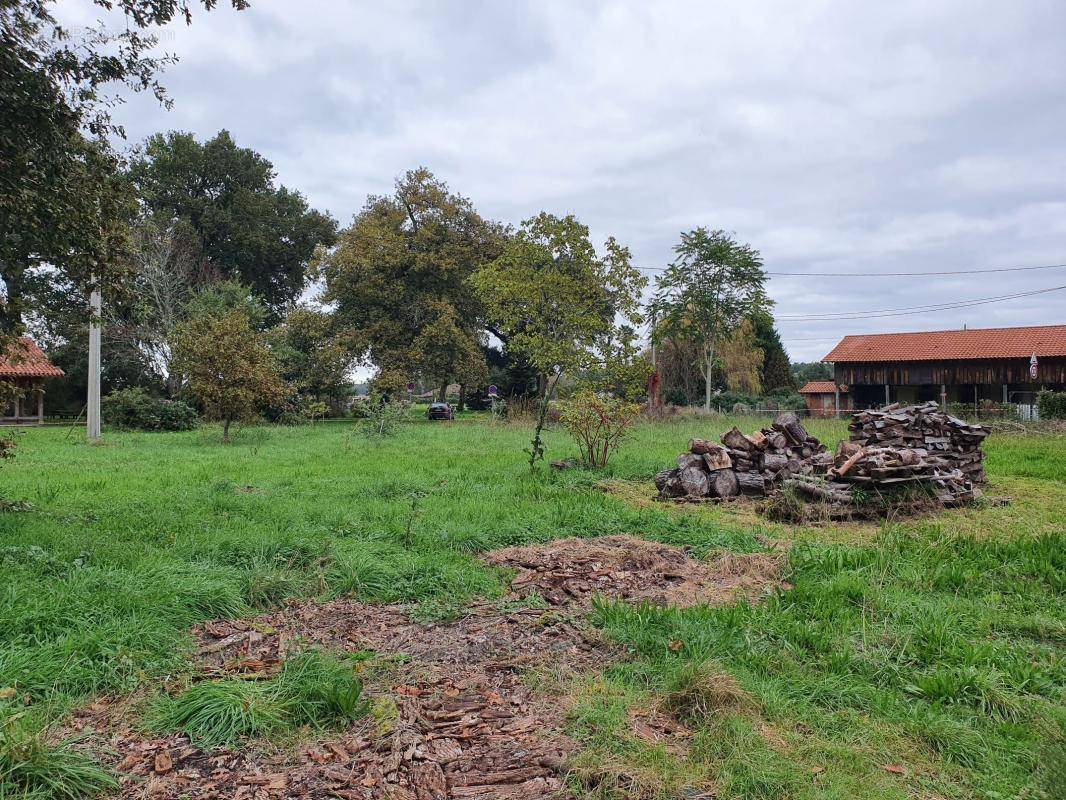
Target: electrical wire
{"x":891,"y":274}
{"x":907,"y":310}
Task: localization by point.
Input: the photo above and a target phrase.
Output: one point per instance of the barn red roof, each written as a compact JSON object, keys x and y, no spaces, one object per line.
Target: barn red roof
{"x":24,"y":359}
{"x":1044,"y":340}
{"x":818,"y":387}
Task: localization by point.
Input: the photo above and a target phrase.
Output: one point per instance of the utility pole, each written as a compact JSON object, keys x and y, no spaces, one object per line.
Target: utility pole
{"x":92,"y":419}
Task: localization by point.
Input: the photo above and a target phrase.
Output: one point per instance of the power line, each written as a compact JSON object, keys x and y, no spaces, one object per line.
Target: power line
{"x":907,"y":310}
{"x":891,"y":274}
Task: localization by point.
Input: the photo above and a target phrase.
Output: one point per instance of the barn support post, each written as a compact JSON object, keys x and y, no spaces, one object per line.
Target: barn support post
{"x":40,"y":406}
{"x":888,"y":396}
{"x":943,"y":397}
{"x":1005,"y":394}
{"x":836,"y":400}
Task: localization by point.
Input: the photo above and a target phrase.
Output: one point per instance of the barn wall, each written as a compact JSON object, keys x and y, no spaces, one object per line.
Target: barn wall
{"x":922,"y":373}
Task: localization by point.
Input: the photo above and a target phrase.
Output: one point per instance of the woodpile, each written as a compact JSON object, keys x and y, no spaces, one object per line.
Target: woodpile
{"x":743,"y":464}
{"x":913,"y":444}
{"x":890,"y":451}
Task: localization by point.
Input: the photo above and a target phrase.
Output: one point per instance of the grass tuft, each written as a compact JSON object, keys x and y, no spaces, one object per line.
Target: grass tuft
{"x":32,"y":766}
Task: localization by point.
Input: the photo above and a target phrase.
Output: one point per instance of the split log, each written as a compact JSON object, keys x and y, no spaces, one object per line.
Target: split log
{"x":850,"y":462}
{"x":694,"y":480}
{"x":757,"y":439}
{"x":702,"y":446}
{"x":788,"y":423}
{"x":723,"y":483}
{"x":751,"y":483}
{"x":717,"y":459}
{"x":735,"y":440}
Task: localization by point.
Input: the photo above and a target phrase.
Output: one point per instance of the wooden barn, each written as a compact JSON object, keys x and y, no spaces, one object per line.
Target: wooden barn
{"x":1003,"y":365}
{"x":27,"y":367}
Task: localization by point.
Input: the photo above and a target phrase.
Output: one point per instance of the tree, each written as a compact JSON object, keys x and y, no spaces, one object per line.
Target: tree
{"x":805,"y":371}
{"x":228,"y":366}
{"x":398,"y":278}
{"x":712,"y":285}
{"x":555,"y":300}
{"x":742,"y":360}
{"x":60,"y":200}
{"x":775,"y":372}
{"x":251,"y":230}
{"x":314,"y":358}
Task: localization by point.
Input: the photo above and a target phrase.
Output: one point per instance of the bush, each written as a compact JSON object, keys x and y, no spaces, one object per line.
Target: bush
{"x":135,"y":409}
{"x":598,"y":424}
{"x":384,"y":418}
{"x":1051,"y":405}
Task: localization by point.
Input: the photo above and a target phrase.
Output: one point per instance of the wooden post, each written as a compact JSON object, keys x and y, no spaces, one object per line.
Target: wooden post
{"x":943,"y":397}
{"x":92,"y":420}
{"x":836,"y":400}
{"x":40,"y":406}
{"x":18,"y":408}
{"x":888,"y":398}
{"x":1005,"y":399}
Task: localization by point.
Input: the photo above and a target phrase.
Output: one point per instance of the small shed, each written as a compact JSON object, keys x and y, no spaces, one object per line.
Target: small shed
{"x":821,"y":398}
{"x":26,"y":366}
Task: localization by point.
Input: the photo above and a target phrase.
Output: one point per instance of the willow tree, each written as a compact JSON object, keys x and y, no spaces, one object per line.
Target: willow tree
{"x":713,"y":284}
{"x":557,"y":301}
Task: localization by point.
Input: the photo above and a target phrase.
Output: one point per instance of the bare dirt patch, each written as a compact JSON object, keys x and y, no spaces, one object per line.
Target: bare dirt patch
{"x":465,"y":724}
{"x":571,"y":571}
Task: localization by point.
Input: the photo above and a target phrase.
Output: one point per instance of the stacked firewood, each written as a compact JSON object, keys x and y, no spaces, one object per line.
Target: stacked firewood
{"x":743,"y":464}
{"x":900,"y":445}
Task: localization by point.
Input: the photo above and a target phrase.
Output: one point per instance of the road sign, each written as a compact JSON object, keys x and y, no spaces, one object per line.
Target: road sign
{"x":410,"y":386}
{"x":492,"y":390}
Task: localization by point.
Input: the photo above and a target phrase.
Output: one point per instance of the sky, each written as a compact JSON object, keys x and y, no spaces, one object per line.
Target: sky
{"x":834,"y":137}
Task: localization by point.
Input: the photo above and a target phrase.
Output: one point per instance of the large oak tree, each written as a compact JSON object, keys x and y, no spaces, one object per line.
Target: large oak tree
{"x":250,"y":229}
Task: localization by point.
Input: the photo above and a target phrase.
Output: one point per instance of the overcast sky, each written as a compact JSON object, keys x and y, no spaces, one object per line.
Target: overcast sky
{"x":833,"y":137}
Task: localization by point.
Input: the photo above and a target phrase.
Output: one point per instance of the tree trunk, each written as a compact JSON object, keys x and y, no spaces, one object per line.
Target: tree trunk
{"x":443,"y":392}
{"x":225,"y":430}
{"x":709,"y":370}
{"x":462,"y":397}
{"x":536,"y":448}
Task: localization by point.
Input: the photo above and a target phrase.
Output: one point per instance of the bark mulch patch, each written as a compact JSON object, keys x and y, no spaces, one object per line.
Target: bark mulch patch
{"x":466,"y":724}
{"x":572,"y":571}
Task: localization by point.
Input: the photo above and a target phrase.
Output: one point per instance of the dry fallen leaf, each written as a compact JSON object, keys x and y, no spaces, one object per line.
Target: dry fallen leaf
{"x":7,"y":693}
{"x":163,"y":762}
{"x":895,"y":769}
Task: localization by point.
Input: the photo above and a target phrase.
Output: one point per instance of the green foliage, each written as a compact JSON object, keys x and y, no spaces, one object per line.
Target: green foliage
{"x":1051,"y":405}
{"x":775,"y":372}
{"x":61,"y":201}
{"x":384,"y":418}
{"x":32,"y":766}
{"x":312,"y":689}
{"x":313,"y":357}
{"x":804,"y":371}
{"x":598,"y":424}
{"x":398,"y":278}
{"x":229,"y":367}
{"x":252,"y":231}
{"x":713,"y":284}
{"x":135,"y":409}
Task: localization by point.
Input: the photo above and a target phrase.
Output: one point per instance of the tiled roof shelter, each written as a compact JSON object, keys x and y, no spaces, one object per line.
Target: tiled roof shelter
{"x":25,"y":365}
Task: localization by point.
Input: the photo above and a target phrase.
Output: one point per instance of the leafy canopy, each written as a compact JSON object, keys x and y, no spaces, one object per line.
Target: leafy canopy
{"x":250,"y":229}
{"x":554,"y":297}
{"x":398,"y":278}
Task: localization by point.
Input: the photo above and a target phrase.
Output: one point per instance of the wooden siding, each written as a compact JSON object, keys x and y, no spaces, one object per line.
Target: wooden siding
{"x":919,"y":373}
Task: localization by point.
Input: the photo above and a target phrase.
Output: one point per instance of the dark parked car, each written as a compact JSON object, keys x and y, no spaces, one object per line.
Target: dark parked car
{"x":440,"y":411}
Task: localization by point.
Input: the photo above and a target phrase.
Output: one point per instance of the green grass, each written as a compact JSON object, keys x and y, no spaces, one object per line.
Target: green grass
{"x":312,"y":689}
{"x":939,"y":642}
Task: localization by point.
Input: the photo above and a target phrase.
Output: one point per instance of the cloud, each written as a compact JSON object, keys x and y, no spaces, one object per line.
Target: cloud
{"x":832,"y":136}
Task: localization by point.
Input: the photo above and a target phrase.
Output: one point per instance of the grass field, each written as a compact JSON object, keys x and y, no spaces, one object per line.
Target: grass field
{"x":918,"y":659}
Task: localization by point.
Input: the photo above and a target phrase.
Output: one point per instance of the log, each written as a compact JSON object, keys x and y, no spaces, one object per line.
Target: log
{"x":774,"y":462}
{"x":723,"y":483}
{"x":694,"y":481}
{"x":702,"y":446}
{"x":775,"y":439}
{"x":688,"y":460}
{"x":820,"y":492}
{"x":850,"y":462}
{"x":751,"y":483}
{"x":788,"y":423}
{"x":661,"y":478}
{"x":673,"y":487}
{"x":735,"y":440}
{"x":717,"y":459}
{"x":758,"y":441}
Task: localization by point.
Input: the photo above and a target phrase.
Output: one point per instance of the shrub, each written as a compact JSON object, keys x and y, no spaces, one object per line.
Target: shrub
{"x":597,"y":423}
{"x":384,"y":418}
{"x":135,"y":409}
{"x":1051,"y":405}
